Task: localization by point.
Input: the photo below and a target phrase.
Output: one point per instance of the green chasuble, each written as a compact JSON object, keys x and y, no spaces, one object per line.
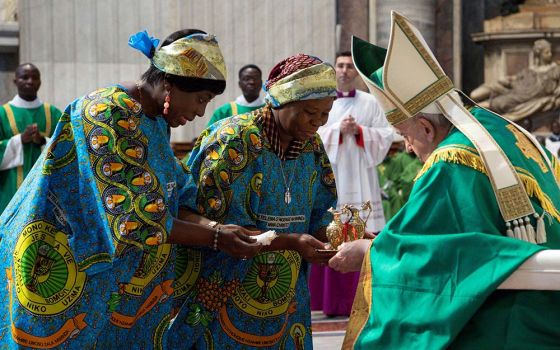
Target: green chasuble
{"x":13,"y":121}
{"x":230,"y":109}
{"x":396,"y":177}
{"x":430,"y":279}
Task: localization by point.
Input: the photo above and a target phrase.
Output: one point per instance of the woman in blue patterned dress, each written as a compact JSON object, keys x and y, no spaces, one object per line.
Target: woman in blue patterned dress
{"x":266,"y":170}
{"x":86,"y":250}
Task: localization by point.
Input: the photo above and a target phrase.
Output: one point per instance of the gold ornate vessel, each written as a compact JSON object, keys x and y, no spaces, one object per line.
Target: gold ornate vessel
{"x":354,"y":228}
{"x":334,"y":229}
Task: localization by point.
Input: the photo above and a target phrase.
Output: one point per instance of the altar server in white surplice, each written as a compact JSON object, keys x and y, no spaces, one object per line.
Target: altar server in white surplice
{"x":357,"y":138}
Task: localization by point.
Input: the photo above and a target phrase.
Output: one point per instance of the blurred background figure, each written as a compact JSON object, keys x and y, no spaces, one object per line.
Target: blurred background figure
{"x":396,"y":176}
{"x":552,"y":143}
{"x":26,"y":123}
{"x":250,"y":82}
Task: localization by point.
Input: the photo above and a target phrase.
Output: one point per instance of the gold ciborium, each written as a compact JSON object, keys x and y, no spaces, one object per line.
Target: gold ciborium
{"x":340,"y":231}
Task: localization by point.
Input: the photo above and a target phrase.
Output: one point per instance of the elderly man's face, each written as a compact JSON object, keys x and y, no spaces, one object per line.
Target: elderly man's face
{"x":419,"y":137}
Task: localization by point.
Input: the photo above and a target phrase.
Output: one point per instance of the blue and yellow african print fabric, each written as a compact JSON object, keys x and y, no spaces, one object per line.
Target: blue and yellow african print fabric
{"x":83,"y":241}
{"x":262,"y":302}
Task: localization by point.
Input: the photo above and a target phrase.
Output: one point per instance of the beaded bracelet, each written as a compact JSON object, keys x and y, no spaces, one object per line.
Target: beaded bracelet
{"x":214,"y":225}
{"x":216,"y":234}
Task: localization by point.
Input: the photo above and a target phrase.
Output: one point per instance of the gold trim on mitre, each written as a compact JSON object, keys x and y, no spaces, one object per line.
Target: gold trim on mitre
{"x":394,"y":112}
{"x":367,"y":58}
{"x":411,"y":74}
{"x":413,"y":82}
{"x":412,"y":77}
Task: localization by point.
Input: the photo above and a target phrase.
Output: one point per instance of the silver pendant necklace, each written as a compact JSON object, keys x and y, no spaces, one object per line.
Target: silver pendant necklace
{"x":287,"y":184}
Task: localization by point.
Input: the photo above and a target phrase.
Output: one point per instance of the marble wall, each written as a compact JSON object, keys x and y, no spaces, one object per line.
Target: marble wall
{"x":80,"y":45}
{"x":9,"y":42}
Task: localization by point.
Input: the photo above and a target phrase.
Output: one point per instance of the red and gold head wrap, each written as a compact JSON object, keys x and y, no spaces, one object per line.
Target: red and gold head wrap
{"x":300,"y":77}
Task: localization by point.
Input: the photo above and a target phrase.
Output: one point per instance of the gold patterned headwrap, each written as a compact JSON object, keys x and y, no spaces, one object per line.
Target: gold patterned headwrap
{"x":194,"y":56}
{"x":300,"y":77}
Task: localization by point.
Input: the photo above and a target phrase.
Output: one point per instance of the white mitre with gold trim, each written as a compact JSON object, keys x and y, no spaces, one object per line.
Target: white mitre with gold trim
{"x":407,"y":80}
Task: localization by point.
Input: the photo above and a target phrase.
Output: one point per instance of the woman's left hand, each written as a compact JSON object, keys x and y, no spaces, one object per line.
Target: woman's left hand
{"x":237,"y":241}
{"x":309,"y":248}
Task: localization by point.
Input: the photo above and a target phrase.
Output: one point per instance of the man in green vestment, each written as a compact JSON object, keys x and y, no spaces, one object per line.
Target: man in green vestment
{"x":26,"y":123}
{"x":396,"y":177}
{"x":250,"y":82}
{"x":486,"y":200}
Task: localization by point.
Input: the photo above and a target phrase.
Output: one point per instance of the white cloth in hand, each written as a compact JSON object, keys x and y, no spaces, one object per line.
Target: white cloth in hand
{"x":266,"y":238}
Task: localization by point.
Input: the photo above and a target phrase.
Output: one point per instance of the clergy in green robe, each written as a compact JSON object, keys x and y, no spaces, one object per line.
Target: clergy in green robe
{"x":396,"y":175}
{"x":250,"y":81}
{"x":433,"y":270}
{"x":429,"y":280}
{"x":26,"y":123}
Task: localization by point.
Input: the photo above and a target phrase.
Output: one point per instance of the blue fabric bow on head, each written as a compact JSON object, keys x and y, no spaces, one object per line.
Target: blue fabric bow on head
{"x":141,"y":41}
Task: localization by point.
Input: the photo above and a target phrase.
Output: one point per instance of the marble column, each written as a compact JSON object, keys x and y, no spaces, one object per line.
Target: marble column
{"x":421,"y":12}
{"x":353,"y":19}
{"x":439,"y":21}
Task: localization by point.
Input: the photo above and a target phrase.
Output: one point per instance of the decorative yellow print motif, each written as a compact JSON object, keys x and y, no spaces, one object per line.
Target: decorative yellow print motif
{"x":47,"y":278}
{"x":254,"y":188}
{"x":310,"y":190}
{"x":269,"y":285}
{"x":527,"y":148}
{"x":267,"y":291}
{"x":188,"y":264}
{"x":130,"y":191}
{"x":159,"y":294}
{"x":297,"y":333}
{"x":62,"y":150}
{"x":70,"y":329}
{"x":224,"y":162}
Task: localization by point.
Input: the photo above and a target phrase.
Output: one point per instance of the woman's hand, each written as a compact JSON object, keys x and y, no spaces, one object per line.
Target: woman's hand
{"x":350,"y":255}
{"x":237,"y":241}
{"x":307,"y":246}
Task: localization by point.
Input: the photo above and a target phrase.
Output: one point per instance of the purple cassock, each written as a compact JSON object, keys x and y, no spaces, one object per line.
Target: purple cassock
{"x":332,"y":291}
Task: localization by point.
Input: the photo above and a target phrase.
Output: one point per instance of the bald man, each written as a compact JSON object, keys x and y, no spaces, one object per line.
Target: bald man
{"x":26,"y":123}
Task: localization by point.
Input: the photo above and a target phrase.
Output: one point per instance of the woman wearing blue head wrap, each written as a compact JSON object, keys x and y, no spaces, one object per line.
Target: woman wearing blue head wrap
{"x":87,"y":240}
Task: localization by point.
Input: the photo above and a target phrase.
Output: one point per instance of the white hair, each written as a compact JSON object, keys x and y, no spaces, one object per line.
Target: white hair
{"x":437,"y":119}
